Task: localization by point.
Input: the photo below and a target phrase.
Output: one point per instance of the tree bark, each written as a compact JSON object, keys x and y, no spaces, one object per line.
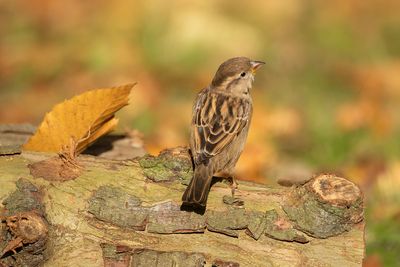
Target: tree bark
{"x":128,"y":213}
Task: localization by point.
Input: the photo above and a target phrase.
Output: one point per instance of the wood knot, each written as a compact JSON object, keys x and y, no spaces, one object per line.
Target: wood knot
{"x":335,"y":190}
{"x":325,"y":206}
{"x":29,"y":226}
{"x":25,"y":228}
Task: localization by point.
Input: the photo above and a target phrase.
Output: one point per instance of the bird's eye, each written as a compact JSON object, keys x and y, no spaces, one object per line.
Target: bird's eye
{"x":243,"y":74}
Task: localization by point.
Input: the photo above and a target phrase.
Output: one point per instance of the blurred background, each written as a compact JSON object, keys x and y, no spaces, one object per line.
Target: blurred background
{"x":326,"y":101}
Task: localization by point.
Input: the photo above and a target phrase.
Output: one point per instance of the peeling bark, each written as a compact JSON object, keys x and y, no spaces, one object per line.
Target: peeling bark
{"x":128,"y":213}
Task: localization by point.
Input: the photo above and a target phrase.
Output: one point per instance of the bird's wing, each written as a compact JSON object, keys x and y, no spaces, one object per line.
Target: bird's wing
{"x":217,"y":119}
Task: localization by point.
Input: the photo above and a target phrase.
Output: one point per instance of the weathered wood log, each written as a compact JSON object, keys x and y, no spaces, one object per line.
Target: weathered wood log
{"x":128,"y":213}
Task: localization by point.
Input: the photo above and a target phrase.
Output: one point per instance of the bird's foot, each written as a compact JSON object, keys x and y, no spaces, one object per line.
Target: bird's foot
{"x":233,"y":185}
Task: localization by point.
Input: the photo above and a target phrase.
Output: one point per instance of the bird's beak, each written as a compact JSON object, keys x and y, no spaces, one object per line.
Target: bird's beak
{"x":255,"y":65}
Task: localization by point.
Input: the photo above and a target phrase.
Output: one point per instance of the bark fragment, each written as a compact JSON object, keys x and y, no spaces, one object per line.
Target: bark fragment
{"x":168,"y":218}
{"x":123,"y":256}
{"x":280,"y":228}
{"x":55,"y":169}
{"x":227,"y":222}
{"x":13,"y":136}
{"x":222,"y":263}
{"x":27,"y":197}
{"x":111,"y":204}
{"x":233,"y":201}
{"x":114,"y":205}
{"x":257,"y":225}
{"x":146,"y":257}
{"x":116,"y":256}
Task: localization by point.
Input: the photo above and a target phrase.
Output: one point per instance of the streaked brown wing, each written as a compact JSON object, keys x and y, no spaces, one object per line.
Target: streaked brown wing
{"x":217,"y":120}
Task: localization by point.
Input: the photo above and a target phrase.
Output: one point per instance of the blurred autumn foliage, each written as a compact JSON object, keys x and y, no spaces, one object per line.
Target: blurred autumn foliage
{"x":327,"y":100}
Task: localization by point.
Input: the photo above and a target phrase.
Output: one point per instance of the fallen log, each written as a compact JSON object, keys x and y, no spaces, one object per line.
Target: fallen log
{"x":102,"y":212}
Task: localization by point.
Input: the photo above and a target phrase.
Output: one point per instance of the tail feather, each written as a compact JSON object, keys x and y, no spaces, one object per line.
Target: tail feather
{"x":199,"y":187}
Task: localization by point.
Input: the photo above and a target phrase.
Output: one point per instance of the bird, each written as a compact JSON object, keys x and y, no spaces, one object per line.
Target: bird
{"x":221,"y":117}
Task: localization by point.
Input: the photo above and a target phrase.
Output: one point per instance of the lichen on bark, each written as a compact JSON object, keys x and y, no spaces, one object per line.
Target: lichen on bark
{"x":170,"y":165}
{"x":123,"y":256}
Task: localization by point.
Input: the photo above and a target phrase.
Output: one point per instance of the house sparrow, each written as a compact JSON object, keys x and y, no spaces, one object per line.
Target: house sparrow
{"x":220,"y":123}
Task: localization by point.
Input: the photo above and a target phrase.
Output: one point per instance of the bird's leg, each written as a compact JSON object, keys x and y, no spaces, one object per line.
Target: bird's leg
{"x":234,"y":184}
{"x":229,"y":177}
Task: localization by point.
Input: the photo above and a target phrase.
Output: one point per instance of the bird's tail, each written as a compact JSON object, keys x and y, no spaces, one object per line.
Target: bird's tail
{"x":197,"y":191}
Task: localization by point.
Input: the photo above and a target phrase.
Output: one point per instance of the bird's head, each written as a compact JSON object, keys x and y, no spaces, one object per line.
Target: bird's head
{"x":236,"y":75}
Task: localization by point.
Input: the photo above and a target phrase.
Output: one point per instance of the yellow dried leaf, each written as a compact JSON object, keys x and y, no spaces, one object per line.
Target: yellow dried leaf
{"x":81,"y":119}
